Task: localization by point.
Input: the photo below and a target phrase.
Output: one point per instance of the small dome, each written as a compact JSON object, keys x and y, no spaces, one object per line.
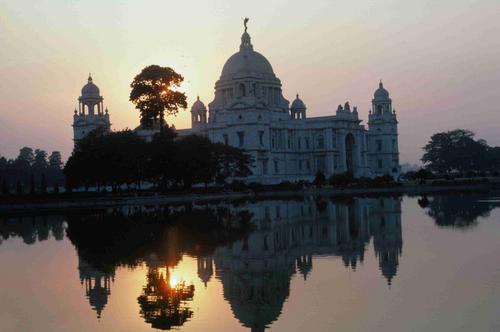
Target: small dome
{"x":90,"y":89}
{"x":381,"y":93}
{"x":298,"y":104}
{"x":198,"y":105}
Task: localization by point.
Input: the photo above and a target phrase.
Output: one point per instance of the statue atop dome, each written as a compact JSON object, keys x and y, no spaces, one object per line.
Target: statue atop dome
{"x":245,"y":21}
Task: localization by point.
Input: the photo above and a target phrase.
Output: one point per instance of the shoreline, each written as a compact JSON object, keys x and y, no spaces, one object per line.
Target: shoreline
{"x":115,"y":201}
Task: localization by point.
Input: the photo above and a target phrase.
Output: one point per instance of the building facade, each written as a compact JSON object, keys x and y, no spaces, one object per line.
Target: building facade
{"x":249,"y":111}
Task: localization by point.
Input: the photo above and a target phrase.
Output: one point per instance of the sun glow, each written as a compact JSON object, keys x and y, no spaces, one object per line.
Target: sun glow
{"x":173,"y":282}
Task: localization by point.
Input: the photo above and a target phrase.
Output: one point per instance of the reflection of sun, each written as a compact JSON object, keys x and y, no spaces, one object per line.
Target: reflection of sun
{"x":173,"y":282}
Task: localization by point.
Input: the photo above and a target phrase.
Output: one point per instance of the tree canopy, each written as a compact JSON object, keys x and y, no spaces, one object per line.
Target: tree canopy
{"x":154,"y":93}
{"x":122,"y":158}
{"x":458,"y":150}
{"x":30,"y":171}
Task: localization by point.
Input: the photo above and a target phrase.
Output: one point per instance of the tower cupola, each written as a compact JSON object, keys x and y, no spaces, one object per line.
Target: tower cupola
{"x":298,"y":109}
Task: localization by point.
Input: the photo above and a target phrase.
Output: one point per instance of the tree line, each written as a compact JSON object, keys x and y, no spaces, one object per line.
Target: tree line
{"x":458,"y":151}
{"x":122,"y":159}
{"x":31,"y":171}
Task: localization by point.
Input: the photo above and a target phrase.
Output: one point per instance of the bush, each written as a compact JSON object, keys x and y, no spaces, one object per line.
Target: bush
{"x":320,"y":179}
{"x":341,"y":180}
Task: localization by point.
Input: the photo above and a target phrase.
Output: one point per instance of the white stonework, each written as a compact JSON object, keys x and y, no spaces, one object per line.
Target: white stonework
{"x":250,"y":112}
{"x":90,"y":114}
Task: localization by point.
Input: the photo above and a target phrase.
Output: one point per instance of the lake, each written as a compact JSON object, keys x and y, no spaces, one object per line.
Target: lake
{"x":309,"y":264}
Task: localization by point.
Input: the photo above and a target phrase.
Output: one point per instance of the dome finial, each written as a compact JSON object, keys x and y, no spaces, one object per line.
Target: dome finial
{"x":380,"y":84}
{"x":90,"y":78}
{"x":245,"y":37}
{"x":245,"y":22}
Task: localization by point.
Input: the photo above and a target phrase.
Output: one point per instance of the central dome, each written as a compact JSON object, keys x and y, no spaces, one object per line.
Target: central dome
{"x":246,"y":62}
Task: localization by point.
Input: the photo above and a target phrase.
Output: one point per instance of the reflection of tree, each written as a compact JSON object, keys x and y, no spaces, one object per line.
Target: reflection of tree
{"x":32,"y":228}
{"x":164,"y":305}
{"x":458,"y":210}
{"x":106,"y":239}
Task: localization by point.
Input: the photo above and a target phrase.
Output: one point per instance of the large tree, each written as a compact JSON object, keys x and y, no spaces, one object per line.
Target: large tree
{"x":154,"y":93}
{"x":456,"y":150}
{"x":55,"y":160}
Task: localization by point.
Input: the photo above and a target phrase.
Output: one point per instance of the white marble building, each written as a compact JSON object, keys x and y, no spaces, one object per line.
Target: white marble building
{"x":91,"y":113}
{"x":249,"y":111}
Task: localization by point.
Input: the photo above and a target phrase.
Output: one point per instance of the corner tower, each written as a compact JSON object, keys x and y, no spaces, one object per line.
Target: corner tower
{"x":382,"y":138}
{"x":198,"y":117}
{"x":91,"y":114}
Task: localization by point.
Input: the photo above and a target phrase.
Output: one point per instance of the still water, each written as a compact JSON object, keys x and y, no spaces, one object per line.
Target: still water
{"x":360,"y":264}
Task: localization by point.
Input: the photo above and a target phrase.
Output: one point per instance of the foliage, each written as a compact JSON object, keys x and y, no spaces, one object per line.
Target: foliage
{"x":164,"y":305}
{"x":31,"y":165}
{"x":122,"y":158}
{"x":154,"y":93}
{"x":459,"y":151}
{"x":341,"y":180}
{"x":106,"y":160}
{"x":320,"y":179}
{"x":459,"y":210}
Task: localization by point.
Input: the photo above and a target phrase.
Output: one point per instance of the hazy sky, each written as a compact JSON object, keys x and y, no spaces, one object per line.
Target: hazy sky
{"x":440,"y":60}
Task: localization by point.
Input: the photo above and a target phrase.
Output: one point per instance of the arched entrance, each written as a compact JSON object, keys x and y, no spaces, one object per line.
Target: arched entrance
{"x":349,"y":152}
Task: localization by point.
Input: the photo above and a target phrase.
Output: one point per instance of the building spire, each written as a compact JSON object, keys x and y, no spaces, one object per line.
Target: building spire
{"x":90,"y":78}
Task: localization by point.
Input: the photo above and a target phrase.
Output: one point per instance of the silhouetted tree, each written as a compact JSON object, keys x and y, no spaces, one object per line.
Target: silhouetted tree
{"x":43,"y":185}
{"x":55,"y":160}
{"x":103,"y":159}
{"x":319,"y":179}
{"x":26,"y":154}
{"x":153,"y":93}
{"x":456,"y":150}
{"x":19,"y":188}
{"x":40,"y":164}
{"x":5,"y":187}
{"x":32,"y":184}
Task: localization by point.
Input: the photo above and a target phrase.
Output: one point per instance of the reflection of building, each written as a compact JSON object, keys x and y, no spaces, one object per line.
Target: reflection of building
{"x":256,"y":272}
{"x":205,"y":268}
{"x":386,"y":231}
{"x":97,"y":285}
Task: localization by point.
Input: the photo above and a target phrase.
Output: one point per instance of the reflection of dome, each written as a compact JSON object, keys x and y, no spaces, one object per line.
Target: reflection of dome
{"x":298,"y":104}
{"x":246,"y":62}
{"x":90,"y":89}
{"x":256,"y":299}
{"x":381,"y":93}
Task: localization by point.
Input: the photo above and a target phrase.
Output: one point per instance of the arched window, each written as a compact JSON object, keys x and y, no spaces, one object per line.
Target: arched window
{"x":379,"y":109}
{"x":243,"y":90}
